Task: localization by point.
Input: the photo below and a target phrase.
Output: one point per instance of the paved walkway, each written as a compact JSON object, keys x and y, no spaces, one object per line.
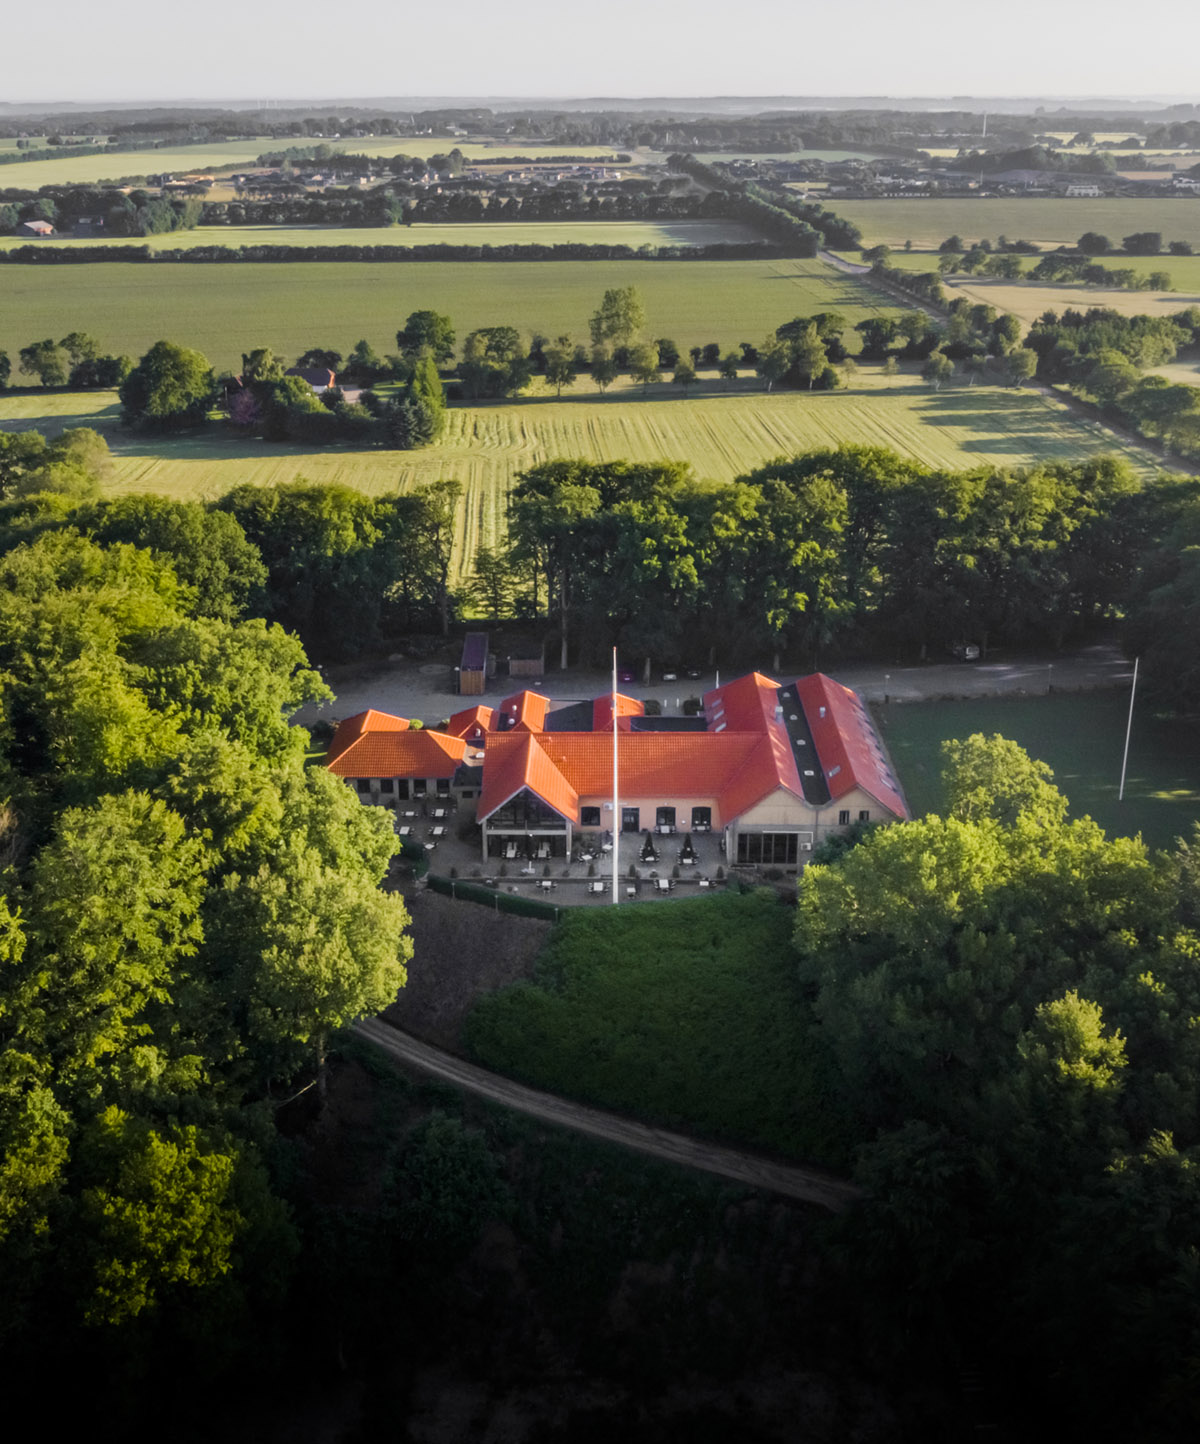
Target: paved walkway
{"x":810,"y":1185}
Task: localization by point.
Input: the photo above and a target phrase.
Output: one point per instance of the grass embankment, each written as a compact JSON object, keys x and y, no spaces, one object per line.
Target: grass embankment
{"x":688,"y":1014}
{"x":223,"y":311}
{"x":1081,"y":737}
{"x":498,"y":233}
{"x":1048,"y":221}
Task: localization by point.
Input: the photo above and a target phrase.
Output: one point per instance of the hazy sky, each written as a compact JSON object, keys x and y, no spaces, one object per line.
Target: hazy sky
{"x":132,"y":49}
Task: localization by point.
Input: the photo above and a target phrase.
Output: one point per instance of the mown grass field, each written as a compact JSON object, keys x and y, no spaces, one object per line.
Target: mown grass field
{"x":1080,"y":736}
{"x":1044,"y":220}
{"x":688,"y":1014}
{"x":720,"y":432}
{"x":88,"y":169}
{"x":224,"y":310}
{"x":513,"y":233}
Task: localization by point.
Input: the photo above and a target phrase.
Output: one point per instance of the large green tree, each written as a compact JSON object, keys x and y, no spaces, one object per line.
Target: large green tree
{"x":171,"y":387}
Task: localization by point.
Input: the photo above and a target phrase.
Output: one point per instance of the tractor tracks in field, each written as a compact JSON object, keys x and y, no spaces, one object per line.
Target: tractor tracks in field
{"x":808,"y":1185}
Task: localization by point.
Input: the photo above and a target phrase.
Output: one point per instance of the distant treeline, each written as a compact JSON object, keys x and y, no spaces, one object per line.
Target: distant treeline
{"x":45,"y":255}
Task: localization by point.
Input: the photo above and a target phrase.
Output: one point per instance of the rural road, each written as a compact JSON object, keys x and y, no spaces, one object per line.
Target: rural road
{"x":806,"y":1184}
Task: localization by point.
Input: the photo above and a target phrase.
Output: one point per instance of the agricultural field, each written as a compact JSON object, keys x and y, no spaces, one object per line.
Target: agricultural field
{"x":501,"y":233}
{"x":1045,"y":220}
{"x":1081,"y":737}
{"x":88,"y":169}
{"x":721,"y":432}
{"x":1183,"y":270}
{"x":225,"y":310}
{"x":1028,"y":301}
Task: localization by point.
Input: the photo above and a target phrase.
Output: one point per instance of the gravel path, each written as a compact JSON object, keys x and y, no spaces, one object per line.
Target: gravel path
{"x":807,"y":1184}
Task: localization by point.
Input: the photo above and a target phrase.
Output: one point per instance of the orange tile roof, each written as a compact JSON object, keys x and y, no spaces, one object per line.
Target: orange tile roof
{"x":848,"y":747}
{"x":374,"y":744}
{"x":350,"y":730}
{"x":471,"y":723}
{"x":515,"y":761}
{"x":602,"y":711}
{"x":735,"y":770}
{"x":526,"y":710}
{"x":744,"y":705}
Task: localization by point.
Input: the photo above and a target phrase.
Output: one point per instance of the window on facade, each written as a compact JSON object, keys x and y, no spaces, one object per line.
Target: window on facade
{"x":664,"y":817}
{"x":589,"y":817}
{"x":402,"y":788}
{"x":420,"y":788}
{"x":630,"y":819}
{"x":467,"y":794}
{"x":363,"y":784}
{"x":844,"y":818}
{"x":767,"y":847}
{"x":443,"y":787}
{"x":701,"y":816}
{"x":387,"y":784}
{"x":864,"y":815}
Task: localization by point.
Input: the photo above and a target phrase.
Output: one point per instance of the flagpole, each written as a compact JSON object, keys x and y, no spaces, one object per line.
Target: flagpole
{"x":1128,"y":730}
{"x":616,"y":799}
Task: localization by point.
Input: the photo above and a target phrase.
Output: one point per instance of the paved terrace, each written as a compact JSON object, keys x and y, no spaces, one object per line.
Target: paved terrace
{"x":452,"y":836}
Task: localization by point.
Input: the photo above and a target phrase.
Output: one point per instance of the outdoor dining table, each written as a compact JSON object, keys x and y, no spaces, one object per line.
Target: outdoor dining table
{"x":404,"y":831}
{"x":547,"y":885}
{"x":438,"y":832}
{"x":663,"y":884}
{"x":439,"y":812}
{"x":410,"y":812}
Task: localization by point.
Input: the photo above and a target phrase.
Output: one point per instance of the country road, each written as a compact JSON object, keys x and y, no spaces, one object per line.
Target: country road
{"x":806,"y":1184}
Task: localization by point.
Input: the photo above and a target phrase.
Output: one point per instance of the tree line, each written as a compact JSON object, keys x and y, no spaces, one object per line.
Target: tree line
{"x":187,"y":914}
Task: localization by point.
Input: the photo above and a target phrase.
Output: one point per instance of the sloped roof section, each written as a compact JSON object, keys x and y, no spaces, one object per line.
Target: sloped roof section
{"x":735,"y":770}
{"x":374,"y":744}
{"x":516,"y":761}
{"x":349,"y":731}
{"x":746,"y":704}
{"x":471,"y":723}
{"x":525,"y":710}
{"x":847,"y":744}
{"x":626,"y":707}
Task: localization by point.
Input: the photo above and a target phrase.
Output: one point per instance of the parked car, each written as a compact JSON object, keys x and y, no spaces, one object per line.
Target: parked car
{"x":965,"y":652}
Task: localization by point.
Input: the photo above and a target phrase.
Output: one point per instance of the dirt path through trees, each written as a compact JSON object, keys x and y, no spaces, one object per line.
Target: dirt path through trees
{"x":807,"y":1184}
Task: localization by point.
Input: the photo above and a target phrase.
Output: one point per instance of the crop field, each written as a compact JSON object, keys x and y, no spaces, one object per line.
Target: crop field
{"x":720,"y":432}
{"x":1080,"y":736}
{"x":224,"y":310}
{"x":1183,"y":270}
{"x":87,"y":169}
{"x":501,"y":233}
{"x":1028,"y":301}
{"x":1045,"y":220}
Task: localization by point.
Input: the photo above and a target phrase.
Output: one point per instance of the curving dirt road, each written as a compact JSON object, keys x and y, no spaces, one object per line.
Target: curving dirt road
{"x":807,"y":1184}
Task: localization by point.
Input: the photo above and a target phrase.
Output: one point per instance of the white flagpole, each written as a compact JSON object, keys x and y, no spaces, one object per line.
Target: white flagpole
{"x":616,"y":818}
{"x":1128,"y":730}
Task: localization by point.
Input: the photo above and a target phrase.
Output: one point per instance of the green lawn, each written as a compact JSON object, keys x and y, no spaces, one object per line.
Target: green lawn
{"x":688,"y":1014}
{"x":223,"y":311}
{"x":1081,"y":736}
{"x":1043,"y":219}
{"x":514,"y":233}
